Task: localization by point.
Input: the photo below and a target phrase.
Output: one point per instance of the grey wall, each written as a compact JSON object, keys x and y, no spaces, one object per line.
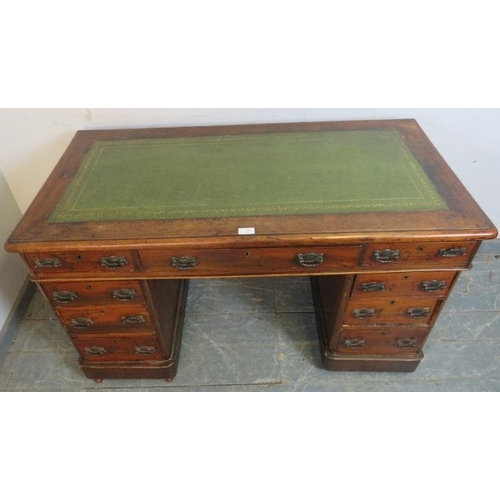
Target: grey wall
{"x":12,"y":271}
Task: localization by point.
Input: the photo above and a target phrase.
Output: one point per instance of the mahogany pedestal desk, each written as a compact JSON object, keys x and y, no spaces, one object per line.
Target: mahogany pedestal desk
{"x":369,"y":210}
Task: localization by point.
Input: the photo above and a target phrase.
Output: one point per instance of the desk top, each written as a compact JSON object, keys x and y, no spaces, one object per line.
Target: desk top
{"x":289,"y":183}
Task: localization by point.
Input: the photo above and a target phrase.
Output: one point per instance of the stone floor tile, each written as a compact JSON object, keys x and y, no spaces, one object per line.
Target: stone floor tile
{"x":40,"y":371}
{"x":40,"y":335}
{"x":490,"y":246}
{"x":468,"y":326}
{"x":486,"y":262}
{"x":205,"y":330}
{"x":405,"y":384}
{"x":272,"y":387}
{"x":231,"y":297}
{"x":293,"y":297}
{"x":475,"y":291}
{"x":39,"y":308}
{"x":297,"y":328}
{"x":229,"y":363}
{"x":458,"y":359}
{"x":302,"y":369}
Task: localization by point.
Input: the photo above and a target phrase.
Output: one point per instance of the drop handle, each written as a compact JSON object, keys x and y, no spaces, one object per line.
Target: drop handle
{"x":48,"y":262}
{"x":133,"y":320}
{"x":184,"y":263}
{"x":353,"y":343}
{"x":95,"y":351}
{"x":124,"y":294}
{"x":309,"y":259}
{"x":64,"y":297}
{"x":432,"y":286}
{"x":81,"y":323}
{"x":373,"y":286}
{"x":386,"y":256}
{"x":364,"y":313}
{"x":418,"y":312}
{"x":113,"y":263}
{"x":452,"y":252}
{"x":406,"y":343}
{"x":144,"y":350}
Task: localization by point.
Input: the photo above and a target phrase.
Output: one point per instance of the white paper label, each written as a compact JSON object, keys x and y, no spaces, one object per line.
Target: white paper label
{"x":246,"y":230}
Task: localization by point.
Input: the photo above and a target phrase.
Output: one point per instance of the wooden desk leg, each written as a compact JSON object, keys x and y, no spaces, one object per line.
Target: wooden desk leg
{"x":166,"y":301}
{"x":331,"y":295}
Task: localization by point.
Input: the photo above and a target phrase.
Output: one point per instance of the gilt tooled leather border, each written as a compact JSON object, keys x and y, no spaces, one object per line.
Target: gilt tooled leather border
{"x":72,"y":206}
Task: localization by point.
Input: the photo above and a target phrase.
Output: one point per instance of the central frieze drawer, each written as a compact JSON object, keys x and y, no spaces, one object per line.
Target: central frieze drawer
{"x":106,"y":318}
{"x":252,"y":261}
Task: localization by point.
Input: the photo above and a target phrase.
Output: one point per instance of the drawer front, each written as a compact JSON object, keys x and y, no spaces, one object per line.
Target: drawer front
{"x":418,"y":255}
{"x":95,"y":348}
{"x":112,"y":263}
{"x":381,"y":341}
{"x":257,"y":261}
{"x":400,"y":310}
{"x":105,"y":318}
{"x":98,"y":292}
{"x":434,"y":283}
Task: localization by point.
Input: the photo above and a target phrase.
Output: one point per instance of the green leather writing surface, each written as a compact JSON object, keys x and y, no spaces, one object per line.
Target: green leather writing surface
{"x":241,"y":175}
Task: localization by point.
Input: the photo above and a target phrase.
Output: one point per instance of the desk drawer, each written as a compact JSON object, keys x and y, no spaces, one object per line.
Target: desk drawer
{"x":106,"y":318}
{"x":419,"y":255}
{"x":112,"y":263}
{"x":252,"y":261}
{"x":427,"y":283}
{"x":94,"y":348}
{"x":381,"y":341}
{"x":96,"y":292}
{"x":378,"y":311}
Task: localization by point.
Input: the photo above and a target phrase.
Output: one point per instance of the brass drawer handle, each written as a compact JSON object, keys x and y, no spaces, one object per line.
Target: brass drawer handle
{"x":112,"y":263}
{"x":144,"y":350}
{"x":95,"y":351}
{"x":418,"y":312}
{"x":406,"y":343}
{"x":353,"y":343}
{"x":452,"y":252}
{"x":81,"y":323}
{"x":133,"y":320}
{"x":432,"y":286}
{"x":48,"y":262}
{"x":373,"y":286}
{"x":184,"y":263}
{"x":386,"y":256}
{"x":363,"y":313}
{"x":124,"y":294}
{"x":64,"y":297}
{"x":310,"y":259}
